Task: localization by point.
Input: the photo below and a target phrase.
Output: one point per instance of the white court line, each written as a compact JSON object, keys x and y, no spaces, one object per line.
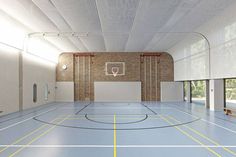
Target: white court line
{"x":14,"y":124}
{"x":225,"y":128}
{"x":212,"y":123}
{"x":70,"y":108}
{"x":119,"y":146}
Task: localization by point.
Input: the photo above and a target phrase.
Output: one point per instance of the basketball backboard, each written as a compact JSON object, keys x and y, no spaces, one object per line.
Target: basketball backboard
{"x":115,"y":68}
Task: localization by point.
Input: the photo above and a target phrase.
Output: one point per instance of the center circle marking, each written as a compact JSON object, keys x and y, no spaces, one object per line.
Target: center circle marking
{"x":104,"y":122}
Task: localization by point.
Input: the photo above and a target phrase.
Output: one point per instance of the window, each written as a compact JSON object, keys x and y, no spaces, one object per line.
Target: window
{"x":230,"y":93}
{"x":185,"y":90}
{"x":198,"y":92}
{"x":46,"y":92}
{"x":35,"y":93}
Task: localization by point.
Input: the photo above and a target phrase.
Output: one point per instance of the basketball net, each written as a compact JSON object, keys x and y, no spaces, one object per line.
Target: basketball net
{"x":115,"y":71}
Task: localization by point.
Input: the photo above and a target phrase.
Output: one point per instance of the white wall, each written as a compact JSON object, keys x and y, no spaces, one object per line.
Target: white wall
{"x":192,"y":62}
{"x":117,"y":91}
{"x":40,"y":72}
{"x":172,"y":91}
{"x":65,"y":91}
{"x":9,"y":80}
{"x":35,"y":70}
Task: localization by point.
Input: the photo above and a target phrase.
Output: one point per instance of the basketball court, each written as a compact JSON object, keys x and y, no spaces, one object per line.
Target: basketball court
{"x":117,"y":78}
{"x":117,"y":129}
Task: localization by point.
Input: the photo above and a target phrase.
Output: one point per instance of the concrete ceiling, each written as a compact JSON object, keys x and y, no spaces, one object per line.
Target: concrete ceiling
{"x":115,"y":25}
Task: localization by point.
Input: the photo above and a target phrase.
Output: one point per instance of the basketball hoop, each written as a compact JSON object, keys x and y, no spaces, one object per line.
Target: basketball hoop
{"x":115,"y":71}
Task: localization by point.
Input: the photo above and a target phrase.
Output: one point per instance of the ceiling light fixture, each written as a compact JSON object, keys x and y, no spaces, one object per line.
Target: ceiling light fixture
{"x":58,"y":34}
{"x":64,"y":67}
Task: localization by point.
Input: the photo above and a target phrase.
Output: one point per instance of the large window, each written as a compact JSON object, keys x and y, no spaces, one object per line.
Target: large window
{"x":198,"y":92}
{"x":230,"y":93}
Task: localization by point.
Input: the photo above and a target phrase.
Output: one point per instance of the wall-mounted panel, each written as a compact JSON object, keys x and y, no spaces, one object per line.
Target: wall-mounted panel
{"x":172,"y":91}
{"x":117,"y":91}
{"x":65,"y":91}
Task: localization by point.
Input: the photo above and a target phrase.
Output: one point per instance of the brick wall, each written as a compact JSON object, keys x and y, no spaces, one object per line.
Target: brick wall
{"x":84,"y":70}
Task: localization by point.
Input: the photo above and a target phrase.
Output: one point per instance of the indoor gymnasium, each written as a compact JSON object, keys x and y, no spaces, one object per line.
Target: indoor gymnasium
{"x":117,"y":78}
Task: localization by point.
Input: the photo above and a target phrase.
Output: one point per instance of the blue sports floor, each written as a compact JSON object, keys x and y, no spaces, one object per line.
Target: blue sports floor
{"x":147,"y":129}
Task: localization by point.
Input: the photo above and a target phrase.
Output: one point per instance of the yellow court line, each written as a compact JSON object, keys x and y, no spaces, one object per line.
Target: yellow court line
{"x":114,"y":136}
{"x":204,"y":136}
{"x":27,"y":135}
{"x":191,"y":137}
{"x":36,"y":138}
